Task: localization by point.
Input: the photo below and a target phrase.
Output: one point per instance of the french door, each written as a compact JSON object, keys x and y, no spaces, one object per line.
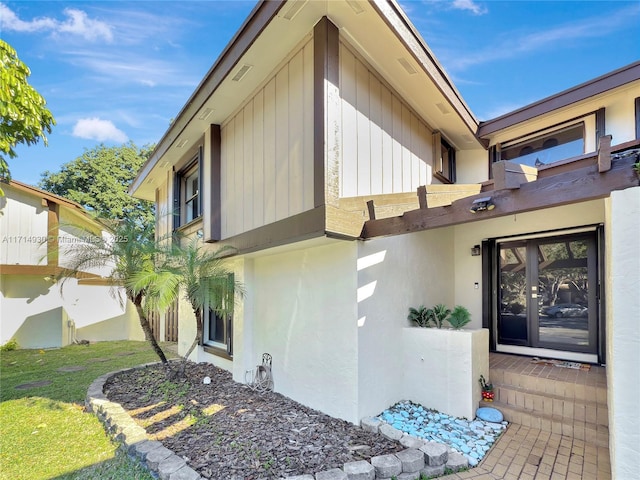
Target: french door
{"x":547,"y":295}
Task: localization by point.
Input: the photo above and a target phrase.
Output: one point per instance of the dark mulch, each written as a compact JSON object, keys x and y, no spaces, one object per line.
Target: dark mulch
{"x":227,"y":431}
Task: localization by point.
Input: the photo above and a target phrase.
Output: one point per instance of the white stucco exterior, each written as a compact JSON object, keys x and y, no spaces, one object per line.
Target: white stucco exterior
{"x":623,"y":330}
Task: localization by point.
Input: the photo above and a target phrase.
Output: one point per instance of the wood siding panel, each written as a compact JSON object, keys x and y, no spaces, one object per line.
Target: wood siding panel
{"x":307,"y":155}
{"x":349,"y":168}
{"x":282,"y":143}
{"x":386,"y":147}
{"x":23,"y":223}
{"x":270,"y":152}
{"x":258,"y":160}
{"x":364,"y":129}
{"x":296,"y":131}
{"x":267,"y":150}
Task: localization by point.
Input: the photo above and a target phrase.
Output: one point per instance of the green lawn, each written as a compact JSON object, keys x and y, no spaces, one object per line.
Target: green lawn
{"x":44,"y":432}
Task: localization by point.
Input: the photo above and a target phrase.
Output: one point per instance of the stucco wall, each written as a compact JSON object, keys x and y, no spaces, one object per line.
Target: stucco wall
{"x":31,"y":305}
{"x":623,"y":330}
{"x":304,"y":315}
{"x":396,"y":273}
{"x":468,"y":269}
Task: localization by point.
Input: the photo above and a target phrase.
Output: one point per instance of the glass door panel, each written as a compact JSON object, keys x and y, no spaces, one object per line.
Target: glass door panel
{"x":564,"y":296}
{"x":512,"y":314}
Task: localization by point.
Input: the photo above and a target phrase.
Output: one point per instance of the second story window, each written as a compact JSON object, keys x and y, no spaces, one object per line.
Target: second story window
{"x":191,"y":184}
{"x":187,"y":193}
{"x":546,"y":148}
{"x":444,"y":159}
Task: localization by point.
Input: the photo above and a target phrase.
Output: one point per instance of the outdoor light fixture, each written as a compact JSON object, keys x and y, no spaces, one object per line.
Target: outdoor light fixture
{"x":475,"y":251}
{"x":482,"y":204}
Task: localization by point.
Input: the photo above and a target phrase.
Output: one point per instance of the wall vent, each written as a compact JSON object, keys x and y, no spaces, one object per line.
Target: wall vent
{"x":242,"y":72}
{"x":407,"y":66}
{"x":443,"y":108}
{"x":295,"y":8}
{"x":356,"y":6}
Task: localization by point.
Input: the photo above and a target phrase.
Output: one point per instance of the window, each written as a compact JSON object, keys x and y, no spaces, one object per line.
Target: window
{"x":218,"y":322}
{"x":191,"y":195}
{"x":546,"y":148}
{"x":187,"y":198}
{"x":445,"y":159}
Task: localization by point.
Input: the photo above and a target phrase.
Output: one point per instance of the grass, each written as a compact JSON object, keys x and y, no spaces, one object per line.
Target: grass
{"x":44,"y":432}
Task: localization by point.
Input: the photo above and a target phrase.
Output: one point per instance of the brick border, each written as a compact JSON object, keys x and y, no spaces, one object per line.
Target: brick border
{"x":133,"y":439}
{"x":166,"y":465}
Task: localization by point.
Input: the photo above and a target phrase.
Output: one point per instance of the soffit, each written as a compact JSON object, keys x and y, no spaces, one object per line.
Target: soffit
{"x":379,"y":32}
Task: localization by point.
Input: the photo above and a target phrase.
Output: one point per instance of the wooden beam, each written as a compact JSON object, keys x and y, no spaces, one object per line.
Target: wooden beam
{"x":604,"y":154}
{"x":422,"y":196}
{"x":511,"y":175}
{"x":53,"y":232}
{"x":372,"y":210}
{"x":578,"y":185}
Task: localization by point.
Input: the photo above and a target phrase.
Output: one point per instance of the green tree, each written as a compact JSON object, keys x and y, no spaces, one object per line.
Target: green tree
{"x":126,"y":252}
{"x":99,"y":180}
{"x":192,"y":269}
{"x":24,"y":117}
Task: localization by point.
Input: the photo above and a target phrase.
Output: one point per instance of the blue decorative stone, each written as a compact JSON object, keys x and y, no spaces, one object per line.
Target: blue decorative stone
{"x":489,"y":414}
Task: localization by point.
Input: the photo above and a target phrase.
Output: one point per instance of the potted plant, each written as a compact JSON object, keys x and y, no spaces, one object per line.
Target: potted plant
{"x":438,"y":314}
{"x":459,"y":317}
{"x":420,"y":316}
{"x":487,"y":390}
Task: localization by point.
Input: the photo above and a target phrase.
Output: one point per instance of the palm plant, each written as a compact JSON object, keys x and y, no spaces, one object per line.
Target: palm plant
{"x":126,"y":252}
{"x":459,"y":317}
{"x":419,"y":315}
{"x":438,"y":314}
{"x":189,"y":268}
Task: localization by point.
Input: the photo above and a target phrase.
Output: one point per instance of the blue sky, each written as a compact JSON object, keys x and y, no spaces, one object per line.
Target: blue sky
{"x":114,"y":71}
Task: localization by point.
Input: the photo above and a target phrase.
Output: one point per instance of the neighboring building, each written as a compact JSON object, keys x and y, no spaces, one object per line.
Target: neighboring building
{"x":315,"y":109}
{"x":36,"y":227}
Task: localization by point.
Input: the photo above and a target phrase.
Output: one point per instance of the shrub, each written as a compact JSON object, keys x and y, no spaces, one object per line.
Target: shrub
{"x":10,"y":345}
{"x":419,"y":315}
{"x":459,"y":317}
{"x":438,"y":314}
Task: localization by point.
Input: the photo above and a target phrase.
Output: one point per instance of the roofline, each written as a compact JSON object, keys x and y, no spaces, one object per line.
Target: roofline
{"x":52,"y":197}
{"x":439,"y":69}
{"x":591,"y":88}
{"x":254,"y":24}
{"x":57,"y":199}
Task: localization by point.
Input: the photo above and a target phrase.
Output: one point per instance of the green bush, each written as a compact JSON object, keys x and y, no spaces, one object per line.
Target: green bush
{"x":419,"y":315}
{"x":9,"y":346}
{"x":459,"y":317}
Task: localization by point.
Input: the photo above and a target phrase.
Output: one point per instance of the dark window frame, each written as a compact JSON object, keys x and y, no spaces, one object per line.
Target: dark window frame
{"x":444,"y":169}
{"x":222,"y":348}
{"x":181,"y":218}
{"x":495,"y":151}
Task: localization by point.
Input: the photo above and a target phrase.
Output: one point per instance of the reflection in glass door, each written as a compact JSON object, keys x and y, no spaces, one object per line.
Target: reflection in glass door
{"x":547,"y":295}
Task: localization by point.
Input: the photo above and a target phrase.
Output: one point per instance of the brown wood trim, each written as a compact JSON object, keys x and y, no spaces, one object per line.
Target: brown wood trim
{"x":601,"y":126}
{"x":44,"y":270}
{"x":219,"y":352}
{"x":604,"y":153}
{"x":560,"y":100}
{"x":637,"y":110}
{"x":212,"y":208}
{"x":46,"y":196}
{"x":371,"y":208}
{"x":305,"y":225}
{"x":326,"y":48}
{"x":578,"y":185}
{"x":256,"y":22}
{"x":53,"y":229}
{"x":422,"y":196}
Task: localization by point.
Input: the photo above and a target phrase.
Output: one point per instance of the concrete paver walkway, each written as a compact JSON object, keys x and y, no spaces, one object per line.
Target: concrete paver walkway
{"x":524,"y":453}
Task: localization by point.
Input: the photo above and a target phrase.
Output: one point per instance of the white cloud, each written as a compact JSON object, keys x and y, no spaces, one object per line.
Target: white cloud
{"x":470,"y":5}
{"x":516,"y":44}
{"x":98,"y":129}
{"x":77,"y":23}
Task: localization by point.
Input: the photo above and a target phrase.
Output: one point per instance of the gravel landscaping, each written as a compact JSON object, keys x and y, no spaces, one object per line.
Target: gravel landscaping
{"x":226,"y":430}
